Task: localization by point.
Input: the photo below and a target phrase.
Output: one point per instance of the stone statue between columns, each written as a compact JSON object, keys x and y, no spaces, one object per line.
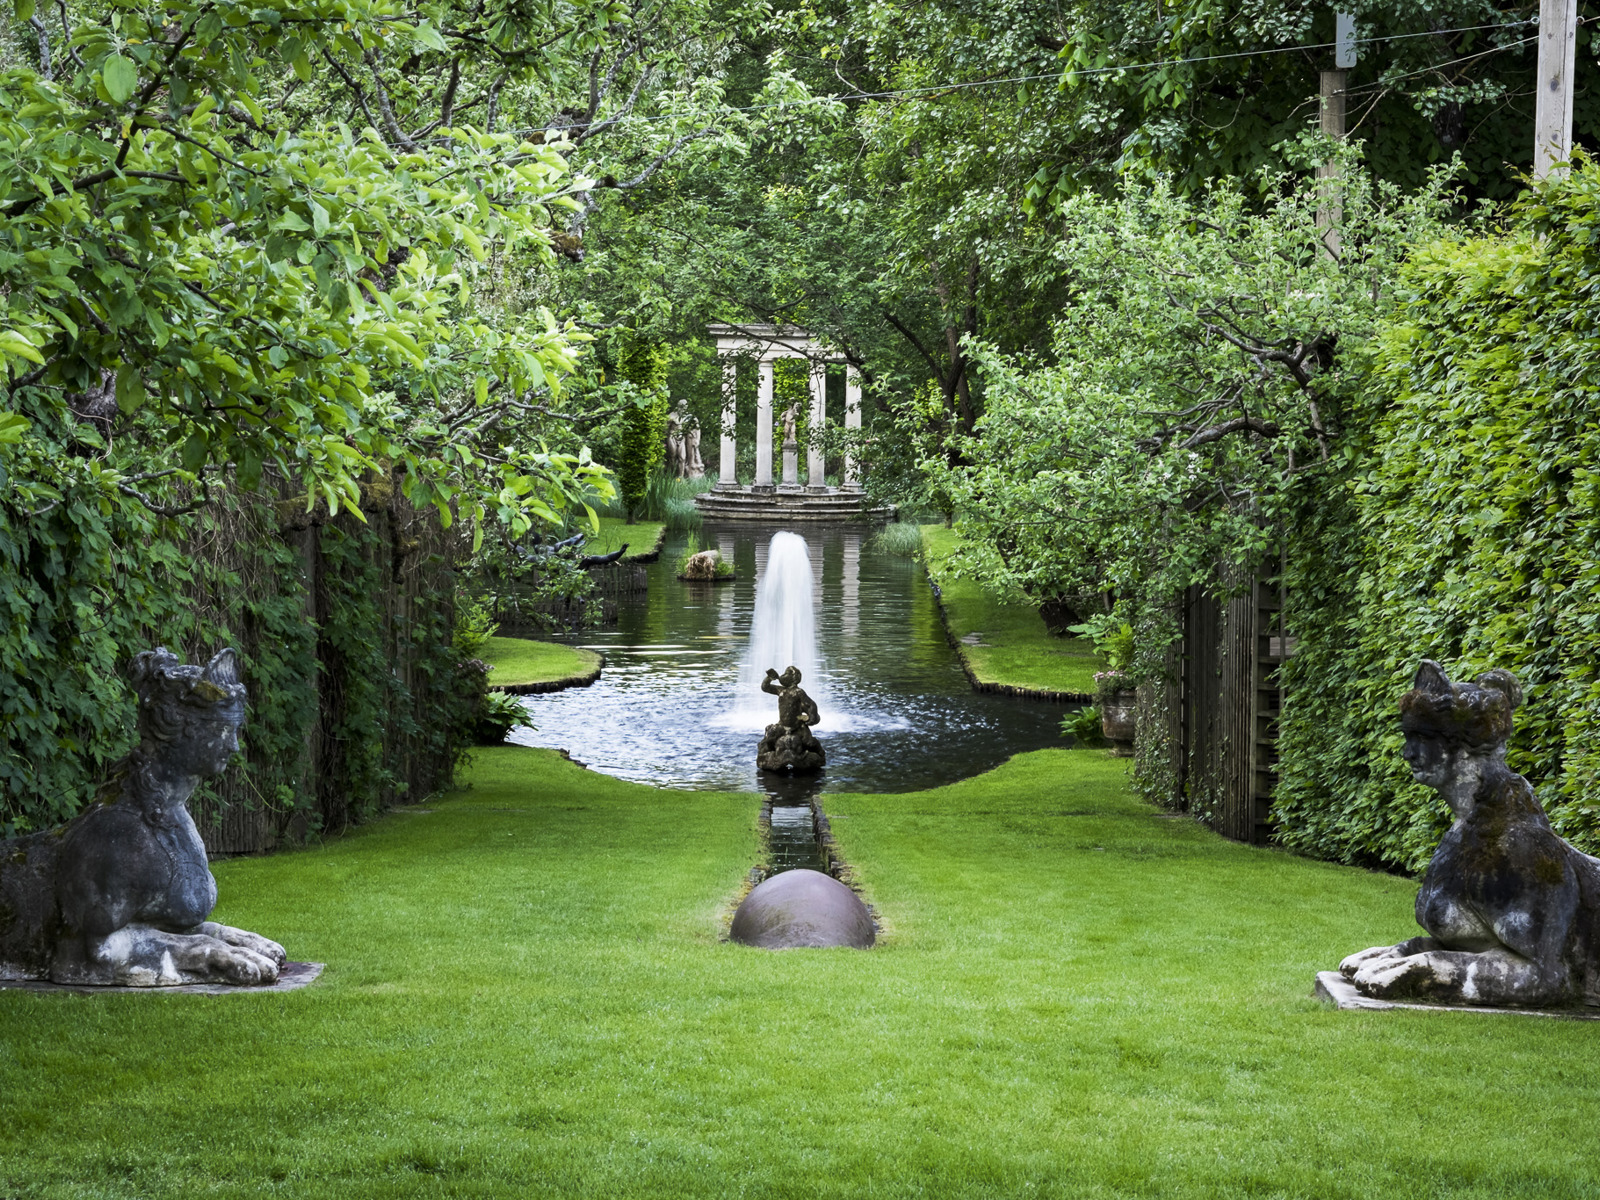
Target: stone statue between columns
{"x":693,"y":466}
{"x":674,"y":463}
{"x":762,"y":346}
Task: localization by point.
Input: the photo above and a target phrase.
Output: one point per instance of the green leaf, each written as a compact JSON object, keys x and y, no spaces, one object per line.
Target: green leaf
{"x":196,"y":449}
{"x":130,"y":389}
{"x":319,"y":219}
{"x":120,"y":77}
{"x":250,"y":470}
{"x":428,"y":36}
{"x":12,"y":427}
{"x":18,"y":346}
{"x":24,"y":9}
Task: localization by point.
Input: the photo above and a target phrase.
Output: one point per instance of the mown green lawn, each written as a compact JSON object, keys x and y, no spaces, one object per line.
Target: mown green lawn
{"x":524,"y":660}
{"x":527,"y":995}
{"x":1016,"y":649}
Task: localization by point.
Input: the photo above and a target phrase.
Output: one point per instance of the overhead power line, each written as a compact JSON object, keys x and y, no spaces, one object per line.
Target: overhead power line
{"x":1110,"y":69}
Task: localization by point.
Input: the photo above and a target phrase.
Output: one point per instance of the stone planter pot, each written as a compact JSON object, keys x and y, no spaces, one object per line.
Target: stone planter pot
{"x":1116,"y":720}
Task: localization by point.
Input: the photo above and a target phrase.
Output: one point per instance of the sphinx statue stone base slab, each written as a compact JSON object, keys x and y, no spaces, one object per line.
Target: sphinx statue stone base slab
{"x":1333,"y":988}
{"x":292,"y":976}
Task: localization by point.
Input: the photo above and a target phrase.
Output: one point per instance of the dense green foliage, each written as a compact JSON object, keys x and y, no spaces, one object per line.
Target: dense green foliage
{"x":83,"y":587}
{"x":343,"y":660}
{"x":1202,"y":379}
{"x":1469,"y":533}
{"x":642,"y":363}
{"x":527,"y":994}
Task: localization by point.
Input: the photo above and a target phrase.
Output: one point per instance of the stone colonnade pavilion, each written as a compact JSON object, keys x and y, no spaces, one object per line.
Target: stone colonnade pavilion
{"x":786,"y":497}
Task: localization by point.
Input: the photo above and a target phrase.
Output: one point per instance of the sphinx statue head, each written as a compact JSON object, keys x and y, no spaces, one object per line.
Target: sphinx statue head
{"x":189,"y":716}
{"x":1452,"y":729}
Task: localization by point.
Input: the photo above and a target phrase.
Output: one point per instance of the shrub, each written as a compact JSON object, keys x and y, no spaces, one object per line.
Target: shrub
{"x":643,"y":363}
{"x":1083,"y":726}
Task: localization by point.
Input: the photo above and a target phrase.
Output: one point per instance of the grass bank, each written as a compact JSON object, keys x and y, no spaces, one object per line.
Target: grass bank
{"x":527,"y":995}
{"x":643,"y":539}
{"x":1005,"y":646}
{"x":524,"y":662}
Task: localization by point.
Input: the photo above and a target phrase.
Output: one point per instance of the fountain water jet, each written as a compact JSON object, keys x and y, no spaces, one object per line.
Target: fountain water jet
{"x":783,"y":628}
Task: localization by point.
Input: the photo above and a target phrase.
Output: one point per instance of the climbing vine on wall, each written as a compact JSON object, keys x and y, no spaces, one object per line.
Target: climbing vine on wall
{"x":1468,"y":532}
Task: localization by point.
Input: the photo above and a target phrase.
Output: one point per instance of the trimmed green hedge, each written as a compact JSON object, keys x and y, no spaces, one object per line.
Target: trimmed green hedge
{"x":642,"y":363}
{"x":1469,"y":532}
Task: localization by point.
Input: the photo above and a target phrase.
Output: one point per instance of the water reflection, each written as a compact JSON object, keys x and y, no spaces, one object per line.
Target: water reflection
{"x":900,"y":714}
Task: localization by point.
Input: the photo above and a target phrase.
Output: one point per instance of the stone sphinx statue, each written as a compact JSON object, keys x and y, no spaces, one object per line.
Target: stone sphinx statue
{"x":1512,"y":912}
{"x":121,"y":894}
{"x":789,"y":745}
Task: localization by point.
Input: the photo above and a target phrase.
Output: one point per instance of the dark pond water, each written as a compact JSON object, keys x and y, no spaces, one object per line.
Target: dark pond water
{"x":897,"y":712}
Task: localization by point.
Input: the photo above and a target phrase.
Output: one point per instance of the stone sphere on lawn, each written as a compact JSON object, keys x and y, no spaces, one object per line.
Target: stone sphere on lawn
{"x":802,"y":908}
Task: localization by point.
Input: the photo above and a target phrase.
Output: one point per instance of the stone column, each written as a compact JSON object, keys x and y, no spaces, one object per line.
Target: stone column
{"x":764,"y":428}
{"x":728,"y":465}
{"x":815,"y":477}
{"x":852,"y":422}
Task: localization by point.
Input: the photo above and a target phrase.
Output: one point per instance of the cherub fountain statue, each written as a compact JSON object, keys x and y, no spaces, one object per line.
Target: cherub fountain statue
{"x":789,"y":744}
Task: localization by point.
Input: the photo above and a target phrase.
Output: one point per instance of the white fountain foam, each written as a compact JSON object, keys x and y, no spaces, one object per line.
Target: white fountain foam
{"x":783,"y":633}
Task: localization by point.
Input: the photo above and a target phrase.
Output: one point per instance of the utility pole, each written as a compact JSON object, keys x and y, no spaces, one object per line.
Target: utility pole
{"x":1331,"y":108}
{"x":1552,"y":121}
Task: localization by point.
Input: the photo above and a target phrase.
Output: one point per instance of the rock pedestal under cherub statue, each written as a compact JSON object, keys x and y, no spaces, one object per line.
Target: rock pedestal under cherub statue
{"x":121,"y":895}
{"x":789,"y":744}
{"x":1512,"y":912}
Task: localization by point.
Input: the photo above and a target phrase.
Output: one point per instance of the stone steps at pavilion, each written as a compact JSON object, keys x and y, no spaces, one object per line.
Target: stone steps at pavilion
{"x":745,"y":504}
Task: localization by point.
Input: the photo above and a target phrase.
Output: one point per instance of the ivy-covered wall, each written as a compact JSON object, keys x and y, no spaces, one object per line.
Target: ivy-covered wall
{"x":357,"y":698}
{"x":1467,"y":531}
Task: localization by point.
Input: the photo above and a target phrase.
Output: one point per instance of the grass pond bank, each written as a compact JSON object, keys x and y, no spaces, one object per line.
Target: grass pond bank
{"x":527,"y":994}
{"x":524,"y":662}
{"x":643,"y":539}
{"x":1005,"y":646}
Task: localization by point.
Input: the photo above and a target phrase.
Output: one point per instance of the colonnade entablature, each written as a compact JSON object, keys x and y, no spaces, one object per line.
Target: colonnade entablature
{"x":766,"y":344}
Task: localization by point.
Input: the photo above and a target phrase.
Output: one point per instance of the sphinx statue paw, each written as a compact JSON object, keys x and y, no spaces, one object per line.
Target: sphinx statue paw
{"x":250,"y":969}
{"x":242,"y":938}
{"x":1415,"y":976}
{"x":223,"y":963}
{"x":1353,"y":963}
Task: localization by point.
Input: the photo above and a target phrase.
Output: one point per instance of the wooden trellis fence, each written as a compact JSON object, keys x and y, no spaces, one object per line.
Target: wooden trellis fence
{"x":1221,"y":707}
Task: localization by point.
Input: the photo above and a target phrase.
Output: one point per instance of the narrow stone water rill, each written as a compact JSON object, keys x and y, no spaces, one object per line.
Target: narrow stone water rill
{"x":801,"y":902}
{"x":792,"y":840}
